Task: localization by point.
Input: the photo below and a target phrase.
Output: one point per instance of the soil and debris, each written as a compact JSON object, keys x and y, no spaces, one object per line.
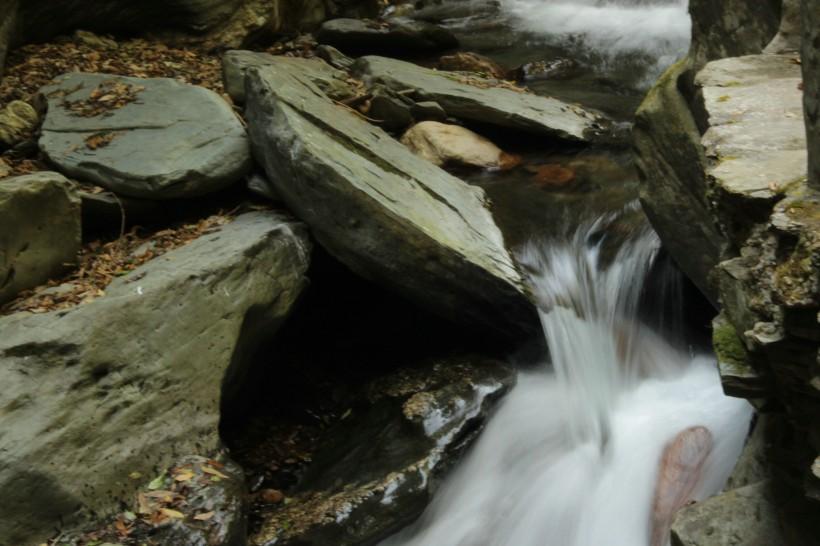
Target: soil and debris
{"x":101,"y":262}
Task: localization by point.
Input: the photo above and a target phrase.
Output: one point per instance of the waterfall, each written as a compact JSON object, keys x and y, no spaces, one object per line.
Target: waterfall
{"x":572,"y":456}
{"x":609,"y":29}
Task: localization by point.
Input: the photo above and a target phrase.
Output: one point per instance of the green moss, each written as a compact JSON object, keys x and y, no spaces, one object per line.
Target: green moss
{"x":728,"y":347}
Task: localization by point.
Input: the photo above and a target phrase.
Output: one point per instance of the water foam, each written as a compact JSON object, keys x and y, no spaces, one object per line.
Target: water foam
{"x":572,"y":456}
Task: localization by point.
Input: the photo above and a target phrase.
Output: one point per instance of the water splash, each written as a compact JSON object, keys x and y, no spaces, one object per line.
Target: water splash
{"x":571,"y":458}
{"x":609,"y":30}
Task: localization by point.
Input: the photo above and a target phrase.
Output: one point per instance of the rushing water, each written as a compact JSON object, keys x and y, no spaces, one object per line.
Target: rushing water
{"x":572,"y":456}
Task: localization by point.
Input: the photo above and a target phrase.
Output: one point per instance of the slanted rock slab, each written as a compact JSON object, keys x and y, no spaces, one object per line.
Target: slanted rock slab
{"x":40,"y":231}
{"x":387,"y":214}
{"x":405,"y":37}
{"x":151,"y":138}
{"x":131,"y":380}
{"x":235,"y":65}
{"x":379,"y":467}
{"x":476,"y":99}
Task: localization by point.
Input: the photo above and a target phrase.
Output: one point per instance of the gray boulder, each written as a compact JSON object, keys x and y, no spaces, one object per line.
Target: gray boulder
{"x":150,"y":138}
{"x":129,"y":381}
{"x":379,"y":467}
{"x":405,"y":37}
{"x":40,"y":232}
{"x":477,"y":99}
{"x":747,"y":516}
{"x":235,"y":65}
{"x":754,"y":136}
{"x":390,"y":216}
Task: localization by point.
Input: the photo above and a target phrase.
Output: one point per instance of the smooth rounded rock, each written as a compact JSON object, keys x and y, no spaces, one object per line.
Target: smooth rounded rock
{"x":150,"y":138}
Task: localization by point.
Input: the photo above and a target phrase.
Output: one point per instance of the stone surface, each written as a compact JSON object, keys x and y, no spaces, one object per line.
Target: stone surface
{"x":731,"y":28}
{"x":380,"y":466}
{"x":755,"y":140}
{"x":483,"y":101}
{"x":235,"y":65}
{"x":671,"y":163}
{"x":167,"y":140}
{"x":390,"y":216}
{"x":811,"y":84}
{"x":743,"y":517}
{"x":40,"y":232}
{"x":442,"y":144}
{"x":401,"y":38}
{"x":131,"y":380}
{"x":225,"y":499}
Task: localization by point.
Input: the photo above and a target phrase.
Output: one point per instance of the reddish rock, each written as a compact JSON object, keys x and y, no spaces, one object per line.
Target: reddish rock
{"x":552,"y":175}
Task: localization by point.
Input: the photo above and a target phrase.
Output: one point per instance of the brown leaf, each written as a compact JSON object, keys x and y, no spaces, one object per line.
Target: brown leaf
{"x":205,"y":516}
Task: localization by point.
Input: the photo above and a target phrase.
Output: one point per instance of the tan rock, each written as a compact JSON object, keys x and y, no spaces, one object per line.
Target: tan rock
{"x":17,"y":121}
{"x":440,"y":144}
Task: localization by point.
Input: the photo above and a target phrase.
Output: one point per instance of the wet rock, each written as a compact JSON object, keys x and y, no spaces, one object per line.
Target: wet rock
{"x":388,"y":215}
{"x":680,"y":472}
{"x":40,"y":230}
{"x":215,"y":509}
{"x":731,"y":28}
{"x":151,"y":138}
{"x":672,"y":163}
{"x":126,"y":382}
{"x":556,"y":69}
{"x":465,"y":61}
{"x":428,"y":111}
{"x":443,"y":144}
{"x":18,"y":120}
{"x":401,"y":38}
{"x":747,"y":516}
{"x":380,"y":466}
{"x":235,"y":65}
{"x":390,"y":110}
{"x":483,"y":101}
{"x":551,"y":175}
{"x":334,"y":57}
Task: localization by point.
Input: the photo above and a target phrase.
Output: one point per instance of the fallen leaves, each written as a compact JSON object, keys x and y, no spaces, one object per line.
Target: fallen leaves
{"x":108,"y":96}
{"x":100,"y":263}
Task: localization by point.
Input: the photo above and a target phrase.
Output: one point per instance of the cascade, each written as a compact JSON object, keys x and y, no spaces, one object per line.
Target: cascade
{"x":573,"y":456}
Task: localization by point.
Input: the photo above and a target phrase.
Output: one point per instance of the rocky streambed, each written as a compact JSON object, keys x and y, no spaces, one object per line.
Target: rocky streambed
{"x":270,"y":296}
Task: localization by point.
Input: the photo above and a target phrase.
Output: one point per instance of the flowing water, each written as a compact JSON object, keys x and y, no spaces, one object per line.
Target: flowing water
{"x":572,"y":456}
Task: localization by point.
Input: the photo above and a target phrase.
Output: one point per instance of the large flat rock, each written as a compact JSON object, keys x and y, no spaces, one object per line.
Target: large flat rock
{"x":129,"y":381}
{"x":483,"y":101}
{"x":384,"y":212}
{"x":152,"y":138}
{"x":756,"y":139}
{"x":40,"y":232}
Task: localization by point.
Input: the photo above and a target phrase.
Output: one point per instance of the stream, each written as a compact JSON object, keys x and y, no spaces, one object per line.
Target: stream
{"x":573,"y":455}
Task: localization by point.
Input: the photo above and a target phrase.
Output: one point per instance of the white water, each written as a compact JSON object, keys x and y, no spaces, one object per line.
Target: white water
{"x":571,"y":457}
{"x":658,"y":29}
